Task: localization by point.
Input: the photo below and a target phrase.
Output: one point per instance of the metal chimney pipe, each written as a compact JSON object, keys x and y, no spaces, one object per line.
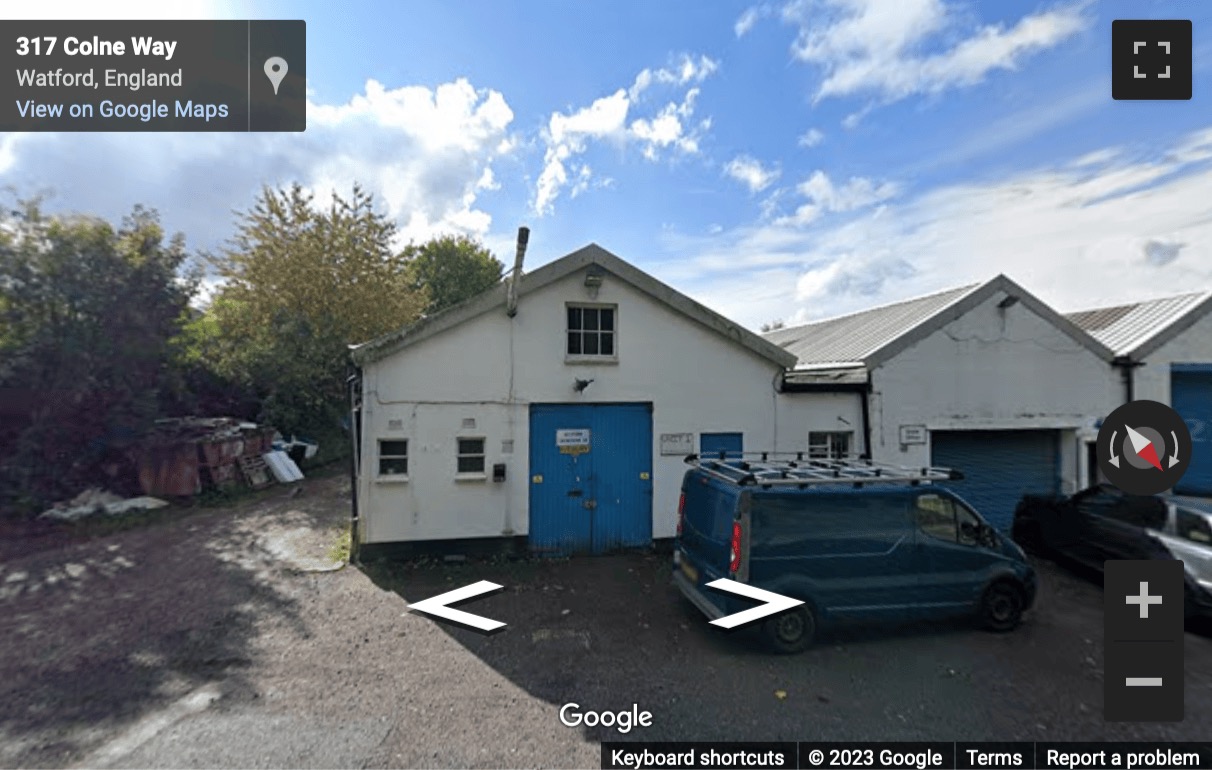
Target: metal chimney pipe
{"x":511,"y":302}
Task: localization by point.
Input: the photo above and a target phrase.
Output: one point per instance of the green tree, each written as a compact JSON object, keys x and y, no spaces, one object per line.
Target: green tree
{"x":301,"y":283}
{"x":452,"y":269}
{"x":87,"y":313}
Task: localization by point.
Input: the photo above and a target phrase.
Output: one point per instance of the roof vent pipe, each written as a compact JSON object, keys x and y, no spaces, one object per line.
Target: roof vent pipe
{"x":511,"y":301}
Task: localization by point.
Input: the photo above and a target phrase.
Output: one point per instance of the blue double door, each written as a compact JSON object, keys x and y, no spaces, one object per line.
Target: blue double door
{"x":590,"y":477}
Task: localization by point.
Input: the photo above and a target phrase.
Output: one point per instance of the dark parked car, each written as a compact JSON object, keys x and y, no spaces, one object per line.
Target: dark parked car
{"x":1102,"y":523}
{"x":851,"y":540}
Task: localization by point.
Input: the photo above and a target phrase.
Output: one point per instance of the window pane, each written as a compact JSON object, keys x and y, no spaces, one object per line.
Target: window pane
{"x":574,"y":318}
{"x":590,"y":318}
{"x":607,"y":317}
{"x":591,"y":344}
{"x":841,"y":444}
{"x":607,"y":344}
{"x":936,"y":517}
{"x":471,"y":465}
{"x":389,"y":466}
{"x":471,"y":446}
{"x":574,"y":343}
{"x":393,"y":448}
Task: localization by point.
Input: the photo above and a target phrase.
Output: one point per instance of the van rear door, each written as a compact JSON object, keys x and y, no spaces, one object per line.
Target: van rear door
{"x":708,"y":510}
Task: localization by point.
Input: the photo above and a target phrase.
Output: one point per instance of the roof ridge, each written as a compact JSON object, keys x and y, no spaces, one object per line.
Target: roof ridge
{"x":965,"y":289}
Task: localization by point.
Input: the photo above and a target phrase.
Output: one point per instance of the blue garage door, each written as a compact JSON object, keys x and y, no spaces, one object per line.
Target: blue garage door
{"x":999,"y":467}
{"x":590,"y":477}
{"x":1191,"y":397}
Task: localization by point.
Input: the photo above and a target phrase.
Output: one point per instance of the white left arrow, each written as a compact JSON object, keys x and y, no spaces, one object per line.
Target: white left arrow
{"x":437,"y":606}
{"x":774,"y":603}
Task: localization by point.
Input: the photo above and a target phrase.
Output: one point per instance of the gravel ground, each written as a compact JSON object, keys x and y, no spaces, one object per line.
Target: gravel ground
{"x":224,"y":638}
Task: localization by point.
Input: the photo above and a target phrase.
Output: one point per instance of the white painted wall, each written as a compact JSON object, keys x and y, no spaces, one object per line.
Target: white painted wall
{"x":492,"y":368}
{"x":1192,"y":346}
{"x":993,"y":369}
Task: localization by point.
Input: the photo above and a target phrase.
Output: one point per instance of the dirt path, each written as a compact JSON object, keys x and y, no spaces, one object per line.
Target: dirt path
{"x":104,"y":630}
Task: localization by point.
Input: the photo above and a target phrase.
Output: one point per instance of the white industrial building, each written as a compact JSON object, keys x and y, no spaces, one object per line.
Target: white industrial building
{"x":1163,"y":352}
{"x":563,"y":414}
{"x":984,"y":378}
{"x":559,"y":412}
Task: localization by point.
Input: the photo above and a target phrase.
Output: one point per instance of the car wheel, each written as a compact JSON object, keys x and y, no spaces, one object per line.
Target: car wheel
{"x":1002,"y":607}
{"x":792,"y":631}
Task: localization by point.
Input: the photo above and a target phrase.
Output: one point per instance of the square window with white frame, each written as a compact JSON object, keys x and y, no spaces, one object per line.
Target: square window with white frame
{"x":393,"y":457}
{"x":470,"y":457}
{"x":830,"y":445}
{"x":591,"y":332}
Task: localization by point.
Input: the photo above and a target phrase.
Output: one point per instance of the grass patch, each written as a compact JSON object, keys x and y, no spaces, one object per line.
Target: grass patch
{"x":339,"y":550}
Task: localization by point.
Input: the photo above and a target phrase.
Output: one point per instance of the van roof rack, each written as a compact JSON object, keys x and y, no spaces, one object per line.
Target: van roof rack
{"x":800,"y":469}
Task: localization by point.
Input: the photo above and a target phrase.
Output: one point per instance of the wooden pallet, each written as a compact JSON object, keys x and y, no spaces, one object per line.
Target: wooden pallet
{"x":255,"y":471}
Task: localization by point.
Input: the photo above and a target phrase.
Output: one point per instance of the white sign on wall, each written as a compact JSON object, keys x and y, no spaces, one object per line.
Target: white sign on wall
{"x":573,"y":441}
{"x":913,"y":434}
{"x":677,"y":443}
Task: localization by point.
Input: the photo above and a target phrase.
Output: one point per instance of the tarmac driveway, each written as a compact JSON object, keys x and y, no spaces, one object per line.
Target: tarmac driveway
{"x":214,"y":638}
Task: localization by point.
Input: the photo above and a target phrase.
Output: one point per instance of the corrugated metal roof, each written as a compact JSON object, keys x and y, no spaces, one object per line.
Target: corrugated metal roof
{"x":849,"y":339}
{"x":1124,"y":328}
{"x":838,"y":375}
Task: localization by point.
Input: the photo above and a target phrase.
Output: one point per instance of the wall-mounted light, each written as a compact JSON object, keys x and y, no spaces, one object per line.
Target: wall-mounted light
{"x":1009,"y":301}
{"x":593,"y":281}
{"x":579,"y":385}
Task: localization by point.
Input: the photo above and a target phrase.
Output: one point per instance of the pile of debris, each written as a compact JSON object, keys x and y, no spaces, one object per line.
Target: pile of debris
{"x":182,"y":456}
{"x":97,"y":502}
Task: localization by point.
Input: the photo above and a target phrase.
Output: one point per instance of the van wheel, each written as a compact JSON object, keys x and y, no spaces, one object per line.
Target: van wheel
{"x":792,"y":631}
{"x":1002,"y":607}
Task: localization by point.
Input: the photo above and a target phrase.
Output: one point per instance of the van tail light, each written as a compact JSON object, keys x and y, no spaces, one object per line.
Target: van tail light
{"x":681,"y":512}
{"x":734,"y":561}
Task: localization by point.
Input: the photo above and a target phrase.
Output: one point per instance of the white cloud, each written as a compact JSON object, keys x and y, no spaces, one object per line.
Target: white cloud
{"x":750,"y":17}
{"x":811,"y":138}
{"x":427,"y":154}
{"x":750,"y":171}
{"x":892,"y":50}
{"x":1105,"y":232}
{"x":823,"y":196}
{"x":569,"y":135}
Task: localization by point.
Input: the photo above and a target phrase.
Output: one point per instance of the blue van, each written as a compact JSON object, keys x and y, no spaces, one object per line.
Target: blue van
{"x":852,"y":540}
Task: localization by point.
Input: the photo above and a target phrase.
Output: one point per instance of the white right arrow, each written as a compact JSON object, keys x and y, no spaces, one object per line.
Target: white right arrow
{"x":773,"y":603}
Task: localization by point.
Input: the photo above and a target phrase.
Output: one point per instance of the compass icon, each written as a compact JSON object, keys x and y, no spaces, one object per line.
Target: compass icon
{"x":1144,"y":447}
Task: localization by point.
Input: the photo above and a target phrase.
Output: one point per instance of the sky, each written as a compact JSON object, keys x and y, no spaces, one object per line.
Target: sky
{"x":787,"y":161}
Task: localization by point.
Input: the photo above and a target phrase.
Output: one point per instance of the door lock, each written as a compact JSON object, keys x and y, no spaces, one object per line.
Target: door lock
{"x":591,"y":505}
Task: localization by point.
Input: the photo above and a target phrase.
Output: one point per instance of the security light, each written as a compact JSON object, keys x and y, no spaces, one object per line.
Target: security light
{"x":1009,"y":301}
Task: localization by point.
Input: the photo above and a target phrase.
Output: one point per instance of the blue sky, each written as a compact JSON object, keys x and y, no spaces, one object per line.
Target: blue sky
{"x":781,"y":160}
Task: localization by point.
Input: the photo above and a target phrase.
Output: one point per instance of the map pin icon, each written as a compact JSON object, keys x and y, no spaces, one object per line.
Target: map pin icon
{"x":275,"y":70}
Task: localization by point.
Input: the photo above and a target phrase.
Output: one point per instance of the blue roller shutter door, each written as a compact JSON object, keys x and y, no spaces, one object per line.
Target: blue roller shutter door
{"x":999,"y":467}
{"x":1191,"y":397}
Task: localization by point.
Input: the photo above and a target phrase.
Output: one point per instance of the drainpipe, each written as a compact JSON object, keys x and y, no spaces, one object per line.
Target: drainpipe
{"x":1126,"y":366}
{"x":511,"y":310}
{"x":865,"y":402}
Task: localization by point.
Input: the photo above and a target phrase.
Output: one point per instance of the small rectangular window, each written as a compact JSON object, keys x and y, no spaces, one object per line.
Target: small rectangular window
{"x":393,"y":457}
{"x":829,"y":445}
{"x":471,"y":455}
{"x":591,"y":332}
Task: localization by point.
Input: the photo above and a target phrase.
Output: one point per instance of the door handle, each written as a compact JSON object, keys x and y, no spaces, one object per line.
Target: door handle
{"x":574,"y":493}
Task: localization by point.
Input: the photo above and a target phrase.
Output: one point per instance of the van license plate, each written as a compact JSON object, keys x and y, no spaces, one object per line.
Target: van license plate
{"x":690,"y":571}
